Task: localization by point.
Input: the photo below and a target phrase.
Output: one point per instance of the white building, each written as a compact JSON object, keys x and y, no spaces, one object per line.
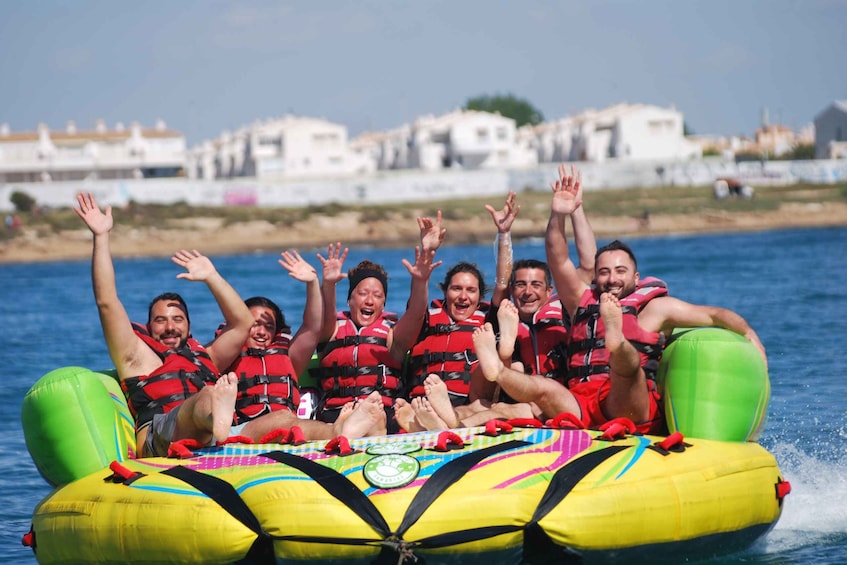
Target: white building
{"x":295,"y":147}
{"x":385,"y":150}
{"x":777,"y":139}
{"x":624,"y":131}
{"x":724,"y":146}
{"x":831,"y":131}
{"x":101,"y":153}
{"x":552,"y":142}
{"x":466,"y":139}
{"x":288,"y":147}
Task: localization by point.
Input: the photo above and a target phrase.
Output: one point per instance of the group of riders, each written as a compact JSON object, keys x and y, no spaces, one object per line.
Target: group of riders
{"x":590,"y":348}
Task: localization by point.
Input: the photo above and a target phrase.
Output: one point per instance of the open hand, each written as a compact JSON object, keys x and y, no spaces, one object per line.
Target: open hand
{"x":297,"y":267}
{"x":96,"y":220}
{"x":504,"y":218}
{"x":333,"y":263}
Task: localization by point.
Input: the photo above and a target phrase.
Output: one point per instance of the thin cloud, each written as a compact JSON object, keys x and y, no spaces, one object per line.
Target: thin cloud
{"x":730,"y":57}
{"x":72,"y":59}
{"x":241,"y":16}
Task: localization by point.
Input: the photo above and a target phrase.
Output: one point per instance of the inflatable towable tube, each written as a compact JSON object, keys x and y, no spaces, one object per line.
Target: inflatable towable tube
{"x":509,"y":494}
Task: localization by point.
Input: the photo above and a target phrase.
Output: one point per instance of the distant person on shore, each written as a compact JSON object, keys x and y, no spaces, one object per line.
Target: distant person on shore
{"x":13,"y":222}
{"x":172,"y":383}
{"x":619,"y":329}
{"x":726,"y":187}
{"x":271,"y":361}
{"x":362,"y":349}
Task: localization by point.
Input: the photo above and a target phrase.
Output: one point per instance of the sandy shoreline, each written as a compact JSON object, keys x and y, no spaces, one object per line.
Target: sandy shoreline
{"x":212,"y":238}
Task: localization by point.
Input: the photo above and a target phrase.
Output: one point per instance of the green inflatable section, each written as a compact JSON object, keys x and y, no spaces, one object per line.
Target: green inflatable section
{"x":76,"y":422}
{"x":715,"y":385}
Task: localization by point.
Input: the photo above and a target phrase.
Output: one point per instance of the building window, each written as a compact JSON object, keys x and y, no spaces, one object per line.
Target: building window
{"x":502,"y":134}
{"x":325,"y":138}
{"x":482,"y":134}
{"x":72,"y":151}
{"x":658,"y":126}
{"x":268,"y":141}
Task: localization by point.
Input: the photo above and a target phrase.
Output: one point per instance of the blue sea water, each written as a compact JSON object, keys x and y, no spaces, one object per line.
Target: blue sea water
{"x":790,"y":285}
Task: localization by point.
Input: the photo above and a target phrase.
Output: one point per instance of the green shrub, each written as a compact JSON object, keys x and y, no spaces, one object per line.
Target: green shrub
{"x":23,"y":202}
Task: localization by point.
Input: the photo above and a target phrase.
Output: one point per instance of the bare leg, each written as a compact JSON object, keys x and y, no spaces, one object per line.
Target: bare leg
{"x":263,"y":425}
{"x":469,"y":411}
{"x":481,"y":389}
{"x":519,"y":410}
{"x":426,"y":415}
{"x":499,"y":410}
{"x":312,"y":429}
{"x":628,"y":395}
{"x":550,"y":396}
{"x":439,"y":399}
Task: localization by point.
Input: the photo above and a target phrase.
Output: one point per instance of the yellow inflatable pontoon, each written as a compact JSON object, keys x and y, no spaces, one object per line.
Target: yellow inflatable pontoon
{"x":506,"y":493}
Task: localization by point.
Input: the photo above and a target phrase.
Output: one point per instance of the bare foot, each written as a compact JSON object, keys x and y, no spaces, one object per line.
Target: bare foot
{"x":343,"y":414}
{"x":486,"y":351}
{"x":508,"y":319}
{"x":363,"y":417}
{"x":405,"y":416}
{"x":375,"y":407}
{"x":439,"y":398}
{"x":426,"y":415}
{"x":380,"y":426}
{"x":223,"y":405}
{"x":610,"y":310}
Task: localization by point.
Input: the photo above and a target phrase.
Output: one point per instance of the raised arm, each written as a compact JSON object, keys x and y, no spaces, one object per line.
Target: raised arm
{"x":126,"y":350}
{"x":304,"y":342}
{"x":407,"y":328}
{"x":567,"y":198}
{"x":332,"y":273}
{"x":586,"y":244}
{"x":503,"y":220}
{"x":227,"y":347}
{"x":667,"y":313}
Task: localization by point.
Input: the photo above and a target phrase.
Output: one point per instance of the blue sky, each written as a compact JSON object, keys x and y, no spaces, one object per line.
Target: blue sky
{"x":207,"y":65}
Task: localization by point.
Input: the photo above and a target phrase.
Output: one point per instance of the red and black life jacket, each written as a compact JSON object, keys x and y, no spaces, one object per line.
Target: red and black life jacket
{"x":445,"y":348}
{"x":357,"y":362}
{"x":267,"y":381}
{"x":184,"y":371}
{"x":587,"y":354}
{"x":542,"y":343}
